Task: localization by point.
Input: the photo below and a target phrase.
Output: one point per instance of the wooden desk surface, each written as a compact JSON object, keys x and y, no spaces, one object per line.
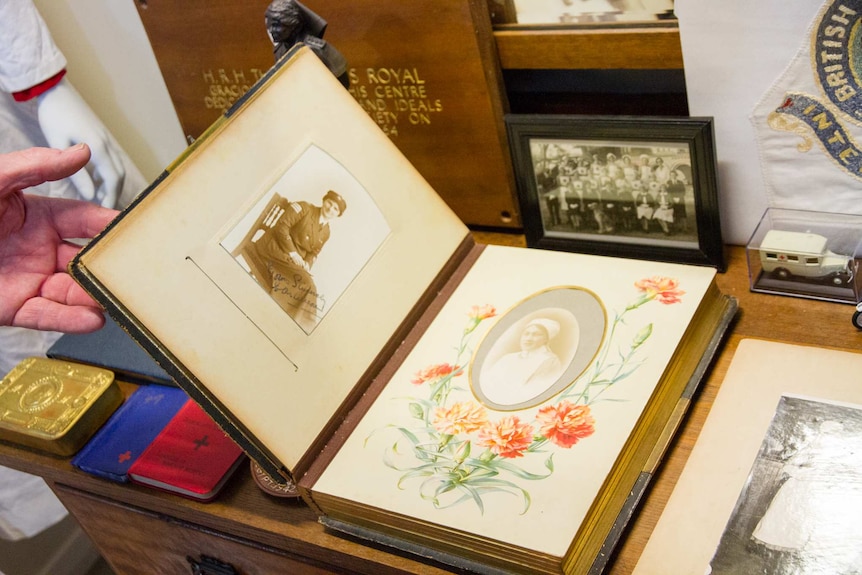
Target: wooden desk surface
{"x":244,"y":511}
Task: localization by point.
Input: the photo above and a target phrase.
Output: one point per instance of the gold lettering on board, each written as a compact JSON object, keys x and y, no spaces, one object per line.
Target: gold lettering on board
{"x":224,"y":86}
{"x":395,"y":98}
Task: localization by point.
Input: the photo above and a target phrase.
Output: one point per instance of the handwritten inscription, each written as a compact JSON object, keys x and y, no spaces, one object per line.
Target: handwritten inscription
{"x":299,"y":290}
{"x":394,"y":97}
{"x":226,"y":86}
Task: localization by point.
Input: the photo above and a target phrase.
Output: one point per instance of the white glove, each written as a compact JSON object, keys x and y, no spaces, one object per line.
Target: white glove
{"x":65,"y":120}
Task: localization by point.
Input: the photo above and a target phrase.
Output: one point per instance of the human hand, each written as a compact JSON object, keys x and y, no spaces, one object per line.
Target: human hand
{"x":66,"y":120}
{"x":36,"y":291}
{"x":297,"y":259}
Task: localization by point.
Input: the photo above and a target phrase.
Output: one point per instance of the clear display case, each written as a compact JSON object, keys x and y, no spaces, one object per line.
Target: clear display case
{"x":807,"y":254}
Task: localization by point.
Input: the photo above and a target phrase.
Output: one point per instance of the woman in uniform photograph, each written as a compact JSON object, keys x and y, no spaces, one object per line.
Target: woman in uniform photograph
{"x":289,"y":251}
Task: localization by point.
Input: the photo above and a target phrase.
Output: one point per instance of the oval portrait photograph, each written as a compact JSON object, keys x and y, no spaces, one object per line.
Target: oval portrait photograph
{"x":538,"y":348}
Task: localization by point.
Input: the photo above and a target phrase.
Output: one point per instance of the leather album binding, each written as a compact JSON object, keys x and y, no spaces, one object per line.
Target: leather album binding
{"x":489,"y":406}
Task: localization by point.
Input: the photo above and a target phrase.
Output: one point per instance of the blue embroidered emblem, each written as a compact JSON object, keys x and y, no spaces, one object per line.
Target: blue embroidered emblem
{"x":835,"y":139}
{"x":836,"y":57}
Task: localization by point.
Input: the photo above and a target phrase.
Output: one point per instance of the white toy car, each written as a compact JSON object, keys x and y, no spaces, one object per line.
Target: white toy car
{"x":789,"y":255}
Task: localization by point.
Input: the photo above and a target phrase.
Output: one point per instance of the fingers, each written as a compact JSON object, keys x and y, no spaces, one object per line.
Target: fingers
{"x":46,"y":315}
{"x":31,"y":167}
{"x":60,"y":306}
{"x":65,"y":253}
{"x":73,"y":218}
{"x":61,"y":288}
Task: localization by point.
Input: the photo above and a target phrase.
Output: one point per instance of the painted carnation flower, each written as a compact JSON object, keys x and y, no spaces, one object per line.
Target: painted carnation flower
{"x":566,"y":423}
{"x":462,"y":417}
{"x":480,"y":312}
{"x":434,"y":373}
{"x":508,"y":437}
{"x":661,"y":288}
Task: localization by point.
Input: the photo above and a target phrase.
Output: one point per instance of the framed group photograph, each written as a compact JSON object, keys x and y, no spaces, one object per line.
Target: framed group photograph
{"x":581,"y":12}
{"x":632,"y":186}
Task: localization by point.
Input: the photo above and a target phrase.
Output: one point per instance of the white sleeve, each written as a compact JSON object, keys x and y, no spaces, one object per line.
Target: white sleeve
{"x":28,"y":54}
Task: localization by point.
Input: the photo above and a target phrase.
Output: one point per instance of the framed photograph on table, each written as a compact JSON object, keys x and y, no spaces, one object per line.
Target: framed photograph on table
{"x":633,"y":186}
{"x":532,"y":13}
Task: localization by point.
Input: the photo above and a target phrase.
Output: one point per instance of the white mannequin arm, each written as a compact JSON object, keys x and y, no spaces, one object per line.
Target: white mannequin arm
{"x":65,"y":120}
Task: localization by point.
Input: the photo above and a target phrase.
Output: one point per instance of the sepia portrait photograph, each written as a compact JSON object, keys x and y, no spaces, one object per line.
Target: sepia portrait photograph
{"x":538,"y":348}
{"x":798,"y":511}
{"x":308,"y":237}
{"x":626,"y":186}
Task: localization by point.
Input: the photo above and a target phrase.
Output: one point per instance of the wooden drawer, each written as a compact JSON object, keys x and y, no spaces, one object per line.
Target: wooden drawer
{"x":136,"y":542}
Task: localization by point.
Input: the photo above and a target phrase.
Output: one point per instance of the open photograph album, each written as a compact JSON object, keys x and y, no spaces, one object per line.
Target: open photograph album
{"x":499,"y":409}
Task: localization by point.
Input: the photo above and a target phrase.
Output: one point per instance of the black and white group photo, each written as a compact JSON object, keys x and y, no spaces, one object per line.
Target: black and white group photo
{"x":636,"y":193}
{"x":592,"y":11}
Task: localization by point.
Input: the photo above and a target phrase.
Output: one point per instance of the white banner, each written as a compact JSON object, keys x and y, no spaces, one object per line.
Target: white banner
{"x":741,"y":59}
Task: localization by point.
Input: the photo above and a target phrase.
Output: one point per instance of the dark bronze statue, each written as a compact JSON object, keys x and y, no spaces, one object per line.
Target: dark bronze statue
{"x":288,"y":23}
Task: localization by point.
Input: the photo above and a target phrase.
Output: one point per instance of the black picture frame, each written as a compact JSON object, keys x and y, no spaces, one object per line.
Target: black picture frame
{"x":567,"y":168}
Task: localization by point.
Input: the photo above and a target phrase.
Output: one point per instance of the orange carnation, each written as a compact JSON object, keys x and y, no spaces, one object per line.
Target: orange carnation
{"x":566,"y":424}
{"x":509,"y":437}
{"x":478,"y":312}
{"x":462,"y":417}
{"x":661,"y":288}
{"x":433,"y":373}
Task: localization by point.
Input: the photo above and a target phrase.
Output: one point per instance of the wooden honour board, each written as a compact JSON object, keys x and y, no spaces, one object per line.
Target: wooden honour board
{"x":426,"y":71}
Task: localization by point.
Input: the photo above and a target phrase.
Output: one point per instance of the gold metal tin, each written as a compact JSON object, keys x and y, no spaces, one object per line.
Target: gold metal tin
{"x":54,"y":405}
